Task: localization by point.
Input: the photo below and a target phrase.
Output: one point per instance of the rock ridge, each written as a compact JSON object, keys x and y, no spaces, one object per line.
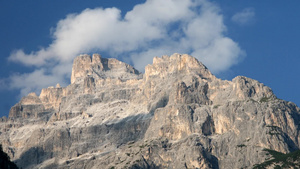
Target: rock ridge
{"x":176,"y":115}
{"x":177,"y":63}
{"x":96,"y":66}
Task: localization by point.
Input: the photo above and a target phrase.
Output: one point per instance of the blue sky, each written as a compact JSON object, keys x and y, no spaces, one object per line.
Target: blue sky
{"x":39,"y":39}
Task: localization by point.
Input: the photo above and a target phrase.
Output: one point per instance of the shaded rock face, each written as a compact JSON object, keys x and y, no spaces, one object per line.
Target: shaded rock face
{"x":176,"y":115}
{"x":5,"y":161}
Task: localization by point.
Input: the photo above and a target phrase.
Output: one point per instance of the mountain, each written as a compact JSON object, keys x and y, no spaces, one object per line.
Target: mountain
{"x":175,"y":115}
{"x":5,"y":162}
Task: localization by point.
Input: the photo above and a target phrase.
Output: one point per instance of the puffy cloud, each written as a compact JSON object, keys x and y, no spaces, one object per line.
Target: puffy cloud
{"x":246,"y":16}
{"x":153,"y":28}
{"x":33,"y":82}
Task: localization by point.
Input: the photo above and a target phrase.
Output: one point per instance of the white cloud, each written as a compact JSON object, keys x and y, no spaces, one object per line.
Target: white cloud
{"x":153,"y":28}
{"x":246,"y":16}
{"x":32,"y":82}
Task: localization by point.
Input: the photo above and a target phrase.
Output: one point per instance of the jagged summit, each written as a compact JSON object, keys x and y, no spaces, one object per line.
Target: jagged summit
{"x":98,"y":67}
{"x":175,"y":64}
{"x":176,"y":115}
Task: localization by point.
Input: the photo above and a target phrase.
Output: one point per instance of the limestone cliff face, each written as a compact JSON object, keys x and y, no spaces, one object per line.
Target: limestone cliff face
{"x":176,"y":64}
{"x":101,"y":68}
{"x":176,"y":115}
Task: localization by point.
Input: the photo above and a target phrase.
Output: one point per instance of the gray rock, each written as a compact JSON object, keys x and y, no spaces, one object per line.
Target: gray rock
{"x":176,"y":115}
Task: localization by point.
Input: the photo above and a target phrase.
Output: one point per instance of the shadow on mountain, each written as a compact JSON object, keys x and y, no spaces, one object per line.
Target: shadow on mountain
{"x":215,"y":162}
{"x":131,"y":128}
{"x":32,"y":157}
{"x":5,"y":162}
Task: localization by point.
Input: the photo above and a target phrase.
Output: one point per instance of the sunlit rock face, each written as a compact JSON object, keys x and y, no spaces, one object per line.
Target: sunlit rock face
{"x":101,"y":68}
{"x":176,"y":115}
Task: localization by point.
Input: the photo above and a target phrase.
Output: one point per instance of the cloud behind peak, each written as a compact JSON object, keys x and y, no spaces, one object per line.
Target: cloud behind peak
{"x":153,"y":28}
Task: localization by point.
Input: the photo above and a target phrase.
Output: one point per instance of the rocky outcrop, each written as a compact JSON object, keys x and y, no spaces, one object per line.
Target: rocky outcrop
{"x":176,"y":115}
{"x":101,"y":68}
{"x":51,"y":97}
{"x":176,"y":64}
{"x":29,"y":107}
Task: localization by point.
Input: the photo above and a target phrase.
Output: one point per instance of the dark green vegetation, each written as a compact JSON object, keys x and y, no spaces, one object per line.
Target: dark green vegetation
{"x":5,"y":162}
{"x":274,"y":130}
{"x":216,"y":106}
{"x":264,"y":99}
{"x":241,"y":145}
{"x":280,"y":160}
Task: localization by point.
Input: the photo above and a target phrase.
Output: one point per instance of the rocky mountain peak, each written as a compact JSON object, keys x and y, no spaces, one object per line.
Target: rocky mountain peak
{"x":178,"y":116}
{"x":98,"y":67}
{"x":31,"y":98}
{"x":177,"y":64}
